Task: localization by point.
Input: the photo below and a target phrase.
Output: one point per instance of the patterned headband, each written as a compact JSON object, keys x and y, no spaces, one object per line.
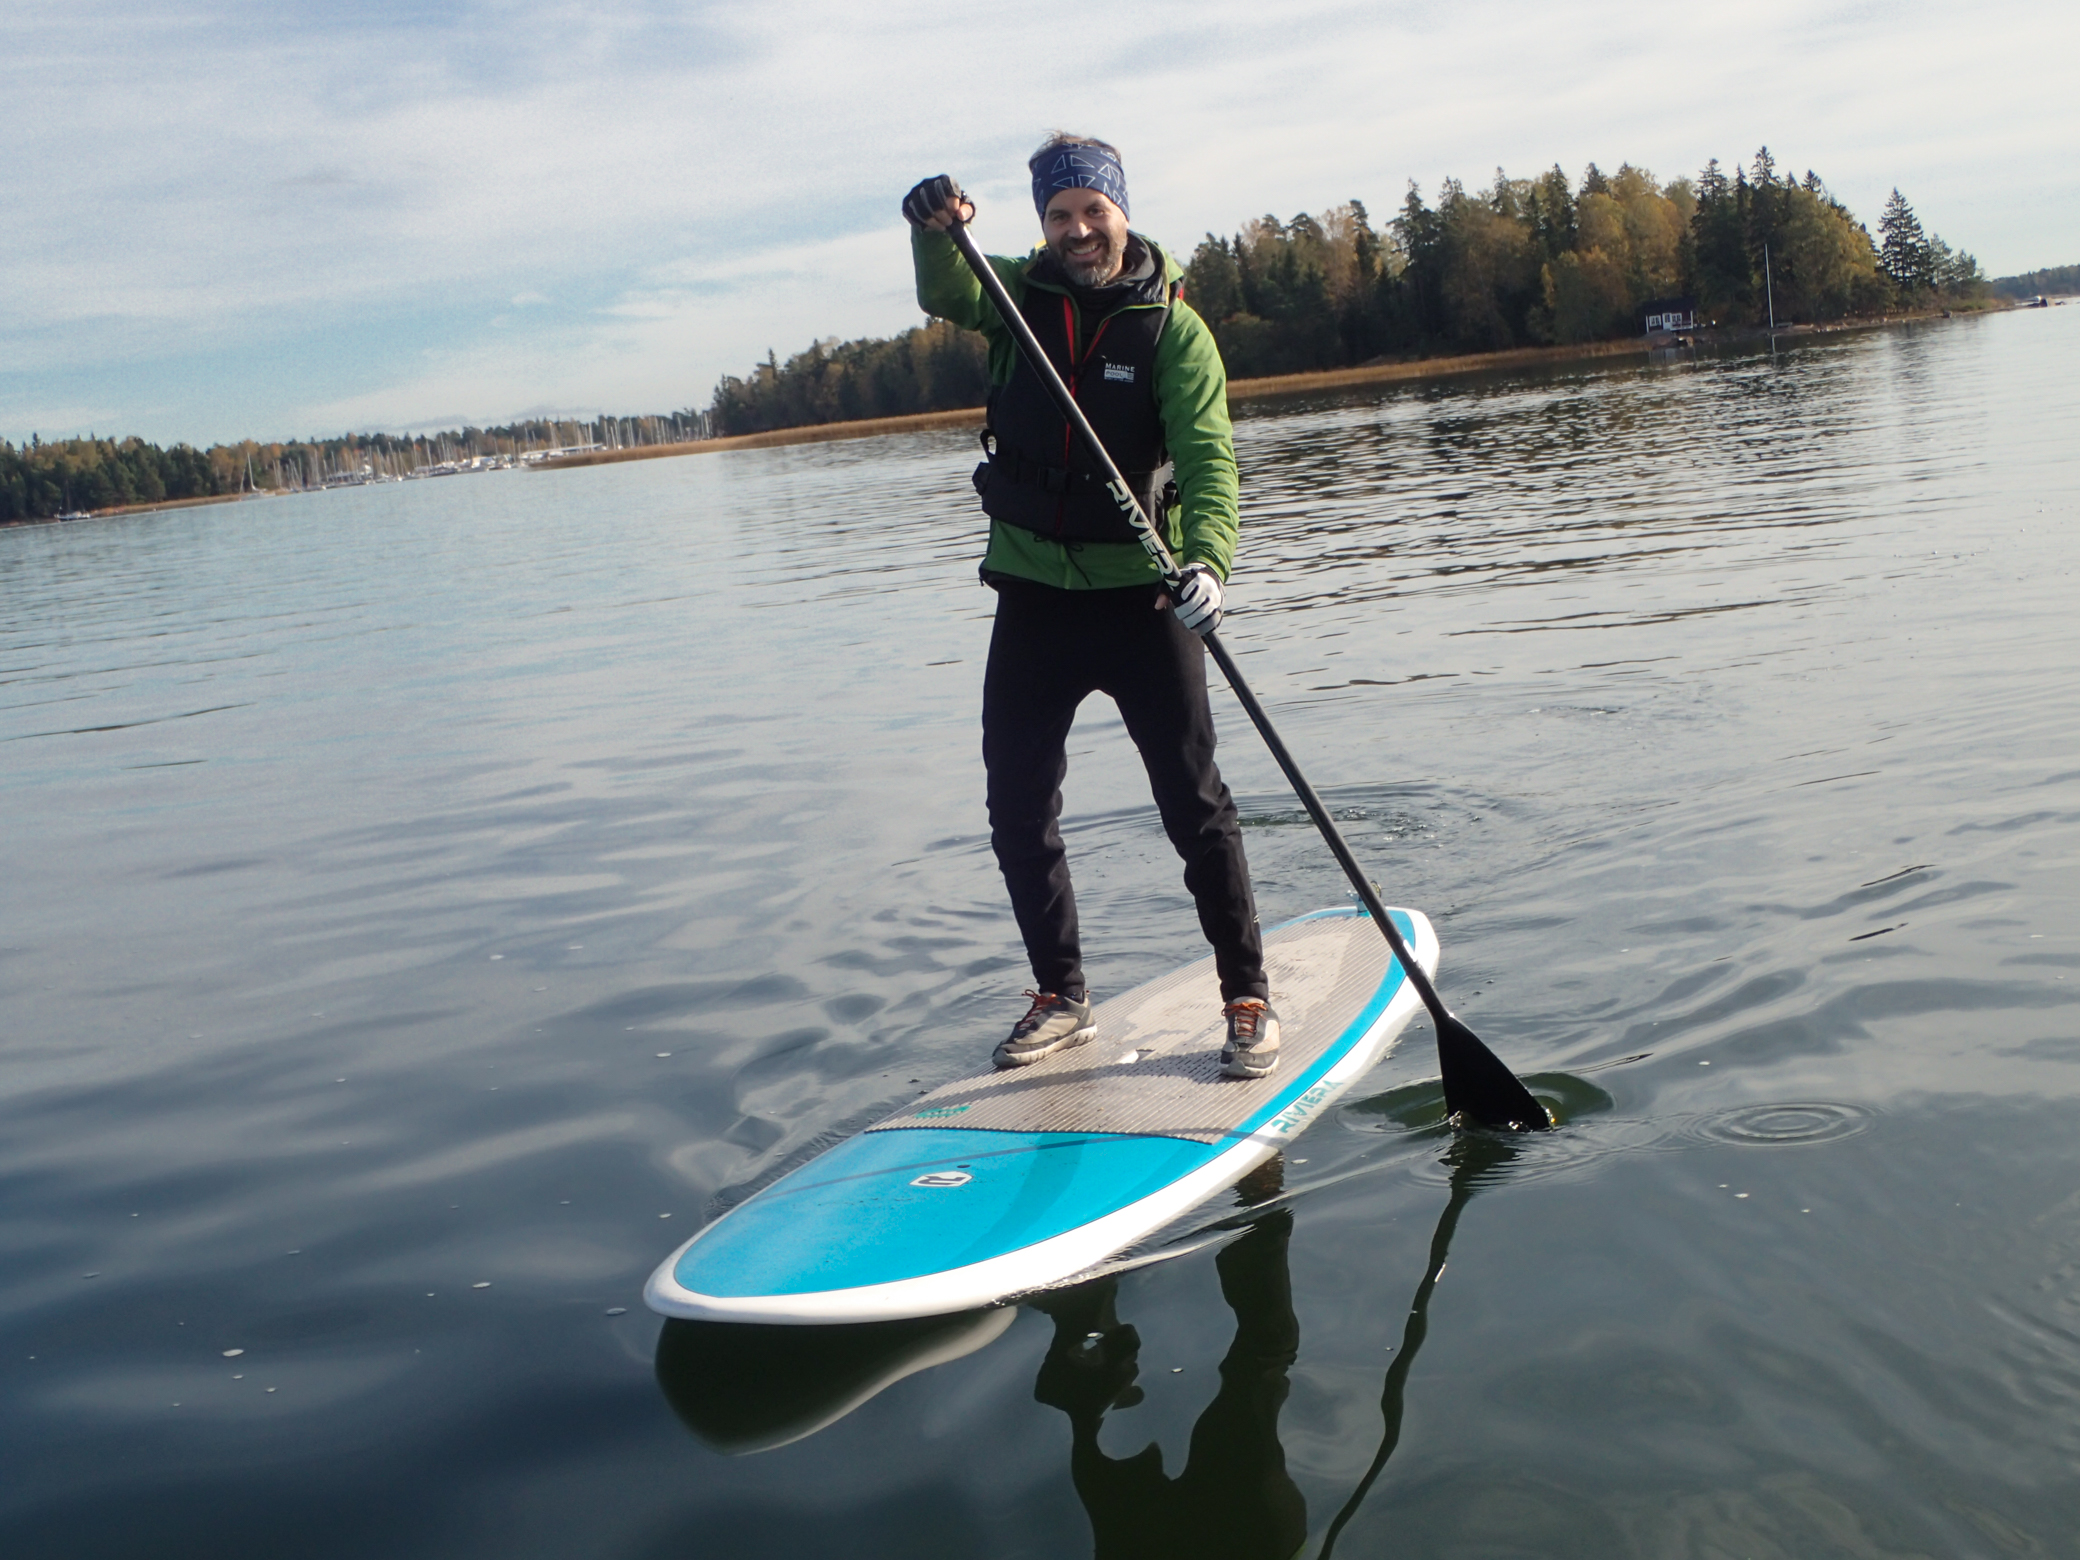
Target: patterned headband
{"x":1080,"y":168}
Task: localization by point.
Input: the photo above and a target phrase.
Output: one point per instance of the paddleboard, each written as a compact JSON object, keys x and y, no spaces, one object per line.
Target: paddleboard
{"x":1003,"y":1183}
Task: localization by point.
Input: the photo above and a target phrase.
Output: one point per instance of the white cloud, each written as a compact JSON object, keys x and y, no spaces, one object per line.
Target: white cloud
{"x":318,"y":211}
{"x":634,"y":352}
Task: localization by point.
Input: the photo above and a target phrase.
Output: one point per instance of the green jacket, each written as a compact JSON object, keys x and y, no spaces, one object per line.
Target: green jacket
{"x":1191,"y":394}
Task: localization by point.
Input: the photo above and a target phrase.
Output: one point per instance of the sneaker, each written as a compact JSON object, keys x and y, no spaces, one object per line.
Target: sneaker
{"x":1053,"y":1023}
{"x":1252,"y":1048}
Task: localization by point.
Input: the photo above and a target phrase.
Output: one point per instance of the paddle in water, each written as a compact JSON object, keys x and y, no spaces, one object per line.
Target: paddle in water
{"x":1478,"y":1088}
{"x":1474,"y":1162}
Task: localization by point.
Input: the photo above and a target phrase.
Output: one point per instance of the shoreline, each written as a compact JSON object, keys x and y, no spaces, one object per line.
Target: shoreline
{"x":1238,"y":390}
{"x":772,"y":438}
{"x":150,"y":507}
{"x":1508,"y":360}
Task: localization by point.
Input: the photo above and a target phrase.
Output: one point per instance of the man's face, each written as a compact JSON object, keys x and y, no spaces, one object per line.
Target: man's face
{"x":1088,"y":235}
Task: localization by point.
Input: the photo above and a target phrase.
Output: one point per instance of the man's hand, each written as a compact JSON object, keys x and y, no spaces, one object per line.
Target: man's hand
{"x":934,"y":202}
{"x":1198,"y":599}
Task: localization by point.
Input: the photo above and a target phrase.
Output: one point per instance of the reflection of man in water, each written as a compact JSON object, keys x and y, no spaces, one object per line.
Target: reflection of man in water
{"x":1234,"y":1496}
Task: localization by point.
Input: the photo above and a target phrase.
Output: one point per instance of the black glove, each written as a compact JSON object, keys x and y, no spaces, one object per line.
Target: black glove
{"x":931,"y":196}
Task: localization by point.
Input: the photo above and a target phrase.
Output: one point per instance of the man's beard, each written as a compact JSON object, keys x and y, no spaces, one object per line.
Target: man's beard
{"x":1092,"y":273}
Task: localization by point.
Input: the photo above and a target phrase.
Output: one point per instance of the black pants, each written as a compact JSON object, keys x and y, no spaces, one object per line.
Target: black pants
{"x":1234,"y":1495}
{"x":1050,"y":649}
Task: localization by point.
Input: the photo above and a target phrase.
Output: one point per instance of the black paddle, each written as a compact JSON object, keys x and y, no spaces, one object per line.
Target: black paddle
{"x":1477,"y":1087}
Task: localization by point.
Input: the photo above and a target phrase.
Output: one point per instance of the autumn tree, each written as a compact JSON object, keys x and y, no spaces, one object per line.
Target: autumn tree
{"x":1490,"y":271}
{"x":1828,"y":267}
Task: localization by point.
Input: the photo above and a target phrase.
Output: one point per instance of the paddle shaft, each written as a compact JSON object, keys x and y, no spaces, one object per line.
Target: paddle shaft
{"x":1468,"y":1175}
{"x":1470,"y":1083}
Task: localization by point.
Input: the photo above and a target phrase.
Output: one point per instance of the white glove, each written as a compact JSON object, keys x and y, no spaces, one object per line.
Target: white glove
{"x":1197,"y":599}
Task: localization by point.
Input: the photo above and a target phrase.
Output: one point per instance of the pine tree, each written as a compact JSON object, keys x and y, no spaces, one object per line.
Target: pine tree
{"x":1719,"y":246}
{"x":1553,"y":213}
{"x":1956,"y":272}
{"x":1905,"y":255}
{"x":1213,"y":281}
{"x":1421,"y":234}
{"x":1765,"y":217}
{"x":1365,"y":244}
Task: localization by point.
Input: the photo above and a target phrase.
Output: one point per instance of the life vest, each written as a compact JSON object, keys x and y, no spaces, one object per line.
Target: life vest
{"x":1037,"y":475}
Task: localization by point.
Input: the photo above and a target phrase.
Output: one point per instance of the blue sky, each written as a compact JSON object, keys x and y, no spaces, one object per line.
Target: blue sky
{"x":304,"y":217}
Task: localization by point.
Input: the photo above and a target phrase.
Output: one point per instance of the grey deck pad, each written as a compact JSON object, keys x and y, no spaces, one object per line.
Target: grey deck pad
{"x":1154,"y":1068}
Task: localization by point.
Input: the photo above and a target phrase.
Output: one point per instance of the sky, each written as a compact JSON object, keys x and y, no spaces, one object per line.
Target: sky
{"x":306,"y":217}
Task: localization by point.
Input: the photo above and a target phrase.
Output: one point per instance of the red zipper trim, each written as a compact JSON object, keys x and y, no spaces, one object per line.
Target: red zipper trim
{"x":1076,"y":362}
{"x":1061,"y":508}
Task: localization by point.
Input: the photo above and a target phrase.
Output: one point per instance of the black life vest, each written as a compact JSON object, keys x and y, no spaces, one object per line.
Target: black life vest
{"x":1038,"y":475}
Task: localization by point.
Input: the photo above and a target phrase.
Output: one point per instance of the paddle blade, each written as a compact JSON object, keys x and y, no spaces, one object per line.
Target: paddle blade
{"x":1478,"y":1089}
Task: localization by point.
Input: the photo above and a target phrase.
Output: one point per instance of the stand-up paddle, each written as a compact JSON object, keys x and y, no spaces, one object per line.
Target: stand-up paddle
{"x":1478,"y":1088}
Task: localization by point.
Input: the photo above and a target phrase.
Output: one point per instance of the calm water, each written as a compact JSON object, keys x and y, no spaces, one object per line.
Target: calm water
{"x":424,"y":906}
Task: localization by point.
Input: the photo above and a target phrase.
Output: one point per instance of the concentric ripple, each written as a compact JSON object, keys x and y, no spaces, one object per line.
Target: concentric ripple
{"x":1781,"y":1126}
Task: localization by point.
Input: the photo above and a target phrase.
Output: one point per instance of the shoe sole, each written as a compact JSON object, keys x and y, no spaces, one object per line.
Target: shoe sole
{"x":1236,"y":1068}
{"x":1005,"y":1059}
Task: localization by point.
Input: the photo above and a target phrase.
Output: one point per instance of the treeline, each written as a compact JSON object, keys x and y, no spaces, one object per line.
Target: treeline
{"x":1523,"y":262}
{"x":41,"y":480}
{"x":2039,"y":284}
{"x":932,"y":368}
{"x":1546,"y":260}
{"x":1531,"y":261}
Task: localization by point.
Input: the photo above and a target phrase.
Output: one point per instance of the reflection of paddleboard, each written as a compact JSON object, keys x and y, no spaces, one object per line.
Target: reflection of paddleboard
{"x":996,"y":1185}
{"x":742,"y":1387}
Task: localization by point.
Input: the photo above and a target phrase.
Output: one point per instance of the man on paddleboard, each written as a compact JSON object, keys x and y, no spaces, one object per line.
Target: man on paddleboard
{"x":1081,"y":608}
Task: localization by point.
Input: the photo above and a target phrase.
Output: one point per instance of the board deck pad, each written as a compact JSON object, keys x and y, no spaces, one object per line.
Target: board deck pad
{"x":1172,"y":1030}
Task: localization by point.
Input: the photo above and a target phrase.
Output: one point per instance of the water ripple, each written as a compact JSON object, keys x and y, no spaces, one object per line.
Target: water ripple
{"x":1783,"y":1126}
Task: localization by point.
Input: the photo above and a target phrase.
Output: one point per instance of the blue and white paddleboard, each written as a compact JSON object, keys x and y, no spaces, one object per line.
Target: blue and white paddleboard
{"x":1007,"y":1182}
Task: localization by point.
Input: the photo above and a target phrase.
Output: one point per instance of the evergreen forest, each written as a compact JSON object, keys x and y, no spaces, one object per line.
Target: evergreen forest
{"x":2039,"y":284}
{"x":931,"y":368}
{"x":43,"y":479}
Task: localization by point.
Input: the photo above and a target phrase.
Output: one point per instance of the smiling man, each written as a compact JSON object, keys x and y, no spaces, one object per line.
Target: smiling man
{"x":1080,"y":607}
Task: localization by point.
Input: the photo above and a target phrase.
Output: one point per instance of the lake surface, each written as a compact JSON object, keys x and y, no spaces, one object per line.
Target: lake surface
{"x":425,"y":905}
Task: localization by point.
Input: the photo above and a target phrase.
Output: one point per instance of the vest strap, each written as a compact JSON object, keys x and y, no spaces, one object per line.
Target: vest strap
{"x":1010,"y":466}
